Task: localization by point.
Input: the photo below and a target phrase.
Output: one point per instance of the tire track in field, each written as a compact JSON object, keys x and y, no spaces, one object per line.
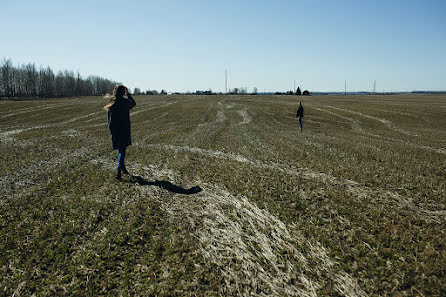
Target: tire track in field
{"x":410,"y":114}
{"x":203,"y":124}
{"x":152,"y":135}
{"x":246,"y":119}
{"x":36,"y":109}
{"x":220,"y":113}
{"x":6,"y":135}
{"x":424,"y":147}
{"x":358,"y":191}
{"x":131,"y":114}
{"x":46,"y":106}
{"x":355,"y":125}
{"x":388,"y":123}
{"x":152,"y":119}
{"x":151,"y":108}
{"x":220,"y":117}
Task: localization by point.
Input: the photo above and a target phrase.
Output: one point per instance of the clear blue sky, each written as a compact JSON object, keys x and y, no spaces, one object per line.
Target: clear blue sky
{"x":181,"y":45}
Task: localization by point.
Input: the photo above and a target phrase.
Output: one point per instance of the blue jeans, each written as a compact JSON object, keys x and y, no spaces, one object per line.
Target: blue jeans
{"x":121,"y":157}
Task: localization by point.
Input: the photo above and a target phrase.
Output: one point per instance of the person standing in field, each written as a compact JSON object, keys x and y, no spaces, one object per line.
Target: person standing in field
{"x":300,"y":115}
{"x":118,"y":118}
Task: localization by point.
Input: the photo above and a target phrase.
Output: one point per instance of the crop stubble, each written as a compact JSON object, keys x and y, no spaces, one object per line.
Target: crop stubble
{"x":353,"y":205}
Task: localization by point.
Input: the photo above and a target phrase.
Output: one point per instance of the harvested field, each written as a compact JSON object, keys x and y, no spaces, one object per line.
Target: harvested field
{"x":227,"y":197}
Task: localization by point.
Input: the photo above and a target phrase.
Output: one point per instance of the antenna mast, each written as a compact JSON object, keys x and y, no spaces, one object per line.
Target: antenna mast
{"x":226,"y":81}
{"x":374,"y":87}
{"x":345,"y":87}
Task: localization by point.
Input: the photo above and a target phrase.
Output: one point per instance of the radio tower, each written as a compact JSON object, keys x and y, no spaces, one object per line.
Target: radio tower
{"x":226,"y":81}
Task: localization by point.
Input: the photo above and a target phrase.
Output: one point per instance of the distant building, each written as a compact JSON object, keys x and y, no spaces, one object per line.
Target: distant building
{"x":204,"y":92}
{"x":306,"y":93}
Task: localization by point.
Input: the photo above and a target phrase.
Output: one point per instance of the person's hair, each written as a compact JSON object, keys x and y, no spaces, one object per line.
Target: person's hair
{"x":118,"y":92}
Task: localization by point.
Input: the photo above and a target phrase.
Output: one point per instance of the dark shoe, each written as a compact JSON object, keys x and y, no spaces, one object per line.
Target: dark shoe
{"x":118,"y":175}
{"x":125,"y":171}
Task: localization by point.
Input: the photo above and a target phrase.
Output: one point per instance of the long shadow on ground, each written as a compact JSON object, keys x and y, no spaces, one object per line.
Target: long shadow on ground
{"x":165,"y":185}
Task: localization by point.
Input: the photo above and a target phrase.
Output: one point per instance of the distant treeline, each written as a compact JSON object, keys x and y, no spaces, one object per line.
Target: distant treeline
{"x":429,"y":92}
{"x":243,"y":91}
{"x":382,"y":93}
{"x":28,"y":81}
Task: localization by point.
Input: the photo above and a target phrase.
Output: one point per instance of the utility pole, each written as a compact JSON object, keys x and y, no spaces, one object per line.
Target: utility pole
{"x":345,"y":87}
{"x":374,"y":87}
{"x":226,"y":81}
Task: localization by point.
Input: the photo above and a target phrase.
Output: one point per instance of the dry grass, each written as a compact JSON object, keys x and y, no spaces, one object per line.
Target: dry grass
{"x":354,"y":205}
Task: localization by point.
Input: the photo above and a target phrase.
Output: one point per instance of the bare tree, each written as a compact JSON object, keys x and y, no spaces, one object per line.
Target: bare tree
{"x":46,"y":83}
{"x":298,"y":91}
{"x":26,"y":81}
{"x":6,"y":71}
{"x":31,"y":79}
{"x":59,"y":85}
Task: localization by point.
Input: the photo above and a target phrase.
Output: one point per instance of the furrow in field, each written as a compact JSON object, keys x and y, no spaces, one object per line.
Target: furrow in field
{"x":220,"y":113}
{"x":35,"y":109}
{"x":229,"y":106}
{"x":199,"y":125}
{"x":220,"y":117}
{"x":354,"y":123}
{"x":423,"y":147}
{"x":151,"y":108}
{"x":6,"y":135}
{"x":139,"y":110}
{"x":98,"y":124}
{"x":74,"y":119}
{"x":353,"y":188}
{"x":246,"y":119}
{"x":388,"y":123}
{"x":152,"y":135}
{"x":152,"y":119}
{"x":356,"y":126}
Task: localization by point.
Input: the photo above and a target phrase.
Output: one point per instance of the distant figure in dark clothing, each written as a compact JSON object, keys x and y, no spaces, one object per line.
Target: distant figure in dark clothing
{"x":118,"y":117}
{"x":300,"y":115}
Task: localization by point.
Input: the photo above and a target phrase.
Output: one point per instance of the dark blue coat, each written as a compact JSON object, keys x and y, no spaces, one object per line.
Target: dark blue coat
{"x":119,"y":122}
{"x":300,"y":111}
